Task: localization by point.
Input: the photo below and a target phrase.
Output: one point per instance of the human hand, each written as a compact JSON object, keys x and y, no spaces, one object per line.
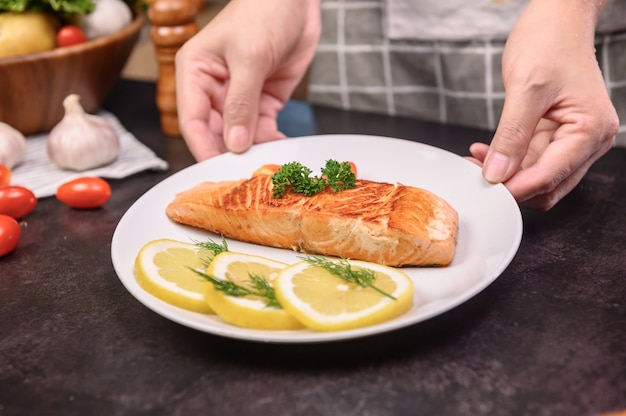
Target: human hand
{"x":236,"y":74}
{"x":557,"y":118}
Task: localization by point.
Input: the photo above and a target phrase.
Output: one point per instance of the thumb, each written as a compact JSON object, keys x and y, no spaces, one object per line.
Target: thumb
{"x":241,"y":108}
{"x":510,"y":142}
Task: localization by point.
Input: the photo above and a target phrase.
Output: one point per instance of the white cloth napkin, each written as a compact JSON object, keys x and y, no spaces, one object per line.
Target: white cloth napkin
{"x":42,"y":177}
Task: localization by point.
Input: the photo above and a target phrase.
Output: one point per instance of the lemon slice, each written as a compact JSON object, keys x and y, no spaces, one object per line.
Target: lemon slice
{"x":324,"y":302}
{"x":162,"y":269}
{"x":250,"y":311}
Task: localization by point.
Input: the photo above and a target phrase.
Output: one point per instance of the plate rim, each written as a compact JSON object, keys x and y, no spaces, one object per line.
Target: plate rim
{"x":179,"y":315}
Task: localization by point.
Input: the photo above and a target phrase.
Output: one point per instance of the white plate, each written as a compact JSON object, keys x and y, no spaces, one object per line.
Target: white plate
{"x":490,"y":224}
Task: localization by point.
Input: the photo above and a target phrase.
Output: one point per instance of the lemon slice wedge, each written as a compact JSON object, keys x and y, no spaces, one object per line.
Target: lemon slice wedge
{"x":249,"y":311}
{"x":324,"y":302}
{"x":162,"y":269}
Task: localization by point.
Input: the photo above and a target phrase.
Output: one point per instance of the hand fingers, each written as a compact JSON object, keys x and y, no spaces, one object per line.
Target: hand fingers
{"x":555,"y":162}
{"x":209,"y":141}
{"x":545,"y":201}
{"x":479,"y":152}
{"x":559,"y":168}
{"x":241,"y":106}
{"x":474,"y":161}
{"x":267,"y":129}
{"x":198,"y":133}
{"x":194,"y":91}
{"x":520,"y":116}
{"x":540,"y":141}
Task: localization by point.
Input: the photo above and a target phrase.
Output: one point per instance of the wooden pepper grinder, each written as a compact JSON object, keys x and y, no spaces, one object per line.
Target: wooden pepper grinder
{"x":173,"y":23}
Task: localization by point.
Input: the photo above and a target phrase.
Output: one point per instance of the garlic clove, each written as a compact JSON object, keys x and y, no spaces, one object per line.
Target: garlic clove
{"x":81,"y":141}
{"x":107,"y":18}
{"x":12,"y":146}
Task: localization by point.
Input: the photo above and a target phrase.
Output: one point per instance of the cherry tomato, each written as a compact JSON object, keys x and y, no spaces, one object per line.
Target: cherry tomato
{"x":271,"y":168}
{"x":16,"y":201}
{"x":70,"y":35}
{"x":5,"y":175}
{"x":353,"y":168}
{"x":84,"y":193}
{"x":10,"y":233}
{"x":268,"y":169}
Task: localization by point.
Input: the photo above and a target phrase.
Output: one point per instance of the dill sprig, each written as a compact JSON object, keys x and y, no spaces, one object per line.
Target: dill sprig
{"x":343,"y":269}
{"x":258,"y":287}
{"x":209,"y":249}
{"x":294,"y":175}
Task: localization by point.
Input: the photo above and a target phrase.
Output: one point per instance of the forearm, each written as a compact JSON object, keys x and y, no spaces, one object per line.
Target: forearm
{"x":556,"y":31}
{"x":310,"y":6}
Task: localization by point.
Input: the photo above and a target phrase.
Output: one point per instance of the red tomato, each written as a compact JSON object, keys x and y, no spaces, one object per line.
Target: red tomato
{"x":268,"y":169}
{"x":70,"y":35}
{"x":271,"y":168}
{"x":84,"y":193}
{"x":16,"y":201}
{"x":5,"y":175}
{"x":10,"y":233}
{"x":353,"y":168}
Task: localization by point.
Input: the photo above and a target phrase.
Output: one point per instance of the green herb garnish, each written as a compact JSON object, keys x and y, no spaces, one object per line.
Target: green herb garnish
{"x":343,"y":269}
{"x":258,"y":287}
{"x":61,"y":8}
{"x":209,"y":249}
{"x":294,"y":175}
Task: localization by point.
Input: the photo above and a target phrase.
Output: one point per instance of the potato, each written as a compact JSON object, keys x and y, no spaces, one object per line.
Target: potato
{"x":26,"y":33}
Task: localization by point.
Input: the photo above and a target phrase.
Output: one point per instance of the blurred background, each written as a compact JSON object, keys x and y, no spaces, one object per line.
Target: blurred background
{"x":142,"y":64}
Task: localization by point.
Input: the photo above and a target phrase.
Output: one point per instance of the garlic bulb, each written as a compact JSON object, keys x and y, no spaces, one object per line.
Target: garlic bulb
{"x":107,"y":18}
{"x":81,"y":141}
{"x":12,"y":146}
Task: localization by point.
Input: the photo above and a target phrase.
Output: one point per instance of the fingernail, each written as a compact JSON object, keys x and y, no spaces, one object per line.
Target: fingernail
{"x":237,"y":139}
{"x":495,"y":167}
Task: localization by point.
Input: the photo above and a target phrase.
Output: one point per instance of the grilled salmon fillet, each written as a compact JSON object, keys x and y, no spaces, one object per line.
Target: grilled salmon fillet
{"x":394,"y":225}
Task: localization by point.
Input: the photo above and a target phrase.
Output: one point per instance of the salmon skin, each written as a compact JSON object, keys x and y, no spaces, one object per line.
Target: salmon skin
{"x":393,"y":225}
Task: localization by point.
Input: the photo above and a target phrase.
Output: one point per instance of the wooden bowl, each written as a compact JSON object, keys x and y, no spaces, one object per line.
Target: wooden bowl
{"x":33,"y":87}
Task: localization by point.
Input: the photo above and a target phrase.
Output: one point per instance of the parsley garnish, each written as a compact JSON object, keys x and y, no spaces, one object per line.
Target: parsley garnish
{"x":343,"y":269}
{"x":294,"y":175}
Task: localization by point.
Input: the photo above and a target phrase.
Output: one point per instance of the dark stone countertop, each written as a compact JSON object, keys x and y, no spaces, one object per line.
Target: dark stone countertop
{"x":546,"y":338}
